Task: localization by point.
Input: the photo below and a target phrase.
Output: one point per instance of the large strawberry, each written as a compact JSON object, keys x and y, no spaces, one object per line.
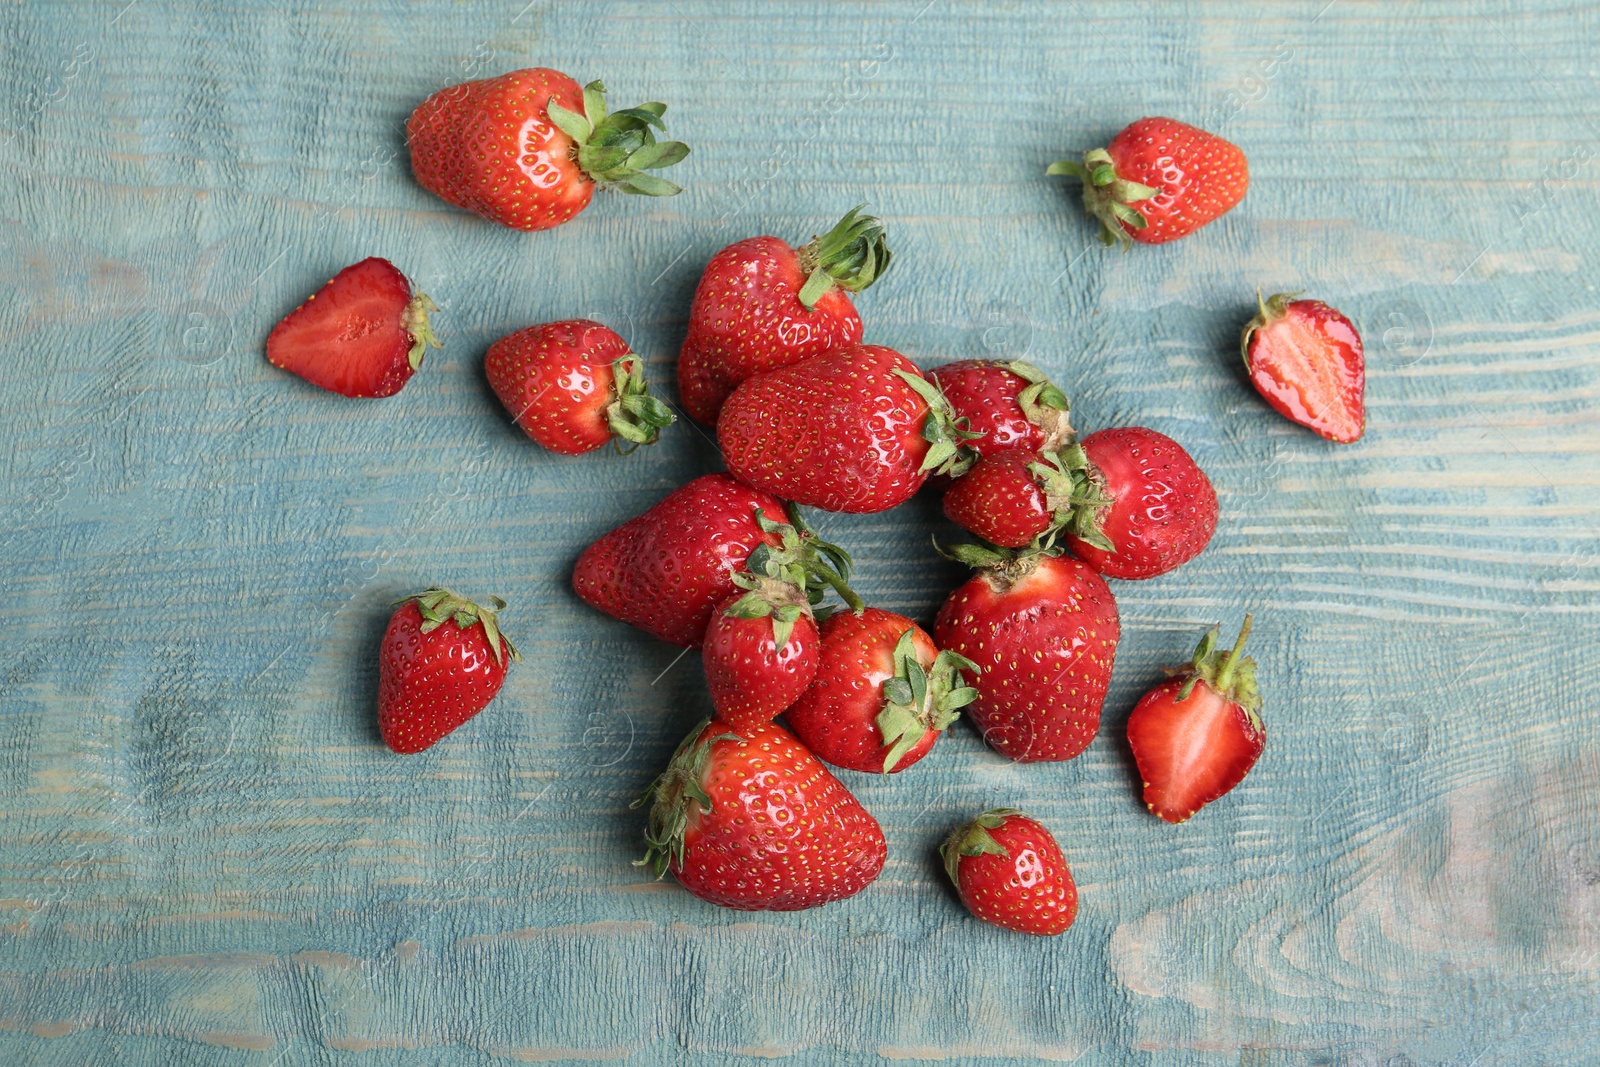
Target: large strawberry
{"x":857,"y":430}
{"x":882,"y":694}
{"x":749,"y":819}
{"x":363,"y":334}
{"x":1158,"y":180}
{"x":527,"y":149}
{"x":1010,"y":405}
{"x":1197,"y":734}
{"x":1009,"y":871}
{"x":441,"y":661}
{"x":575,"y":386}
{"x":761,"y":305}
{"x":1043,"y":632}
{"x":1306,"y":360}
{"x":666,"y":570}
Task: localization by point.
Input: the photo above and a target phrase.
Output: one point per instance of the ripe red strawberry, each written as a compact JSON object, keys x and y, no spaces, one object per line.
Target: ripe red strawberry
{"x":1002,"y":501}
{"x":1306,"y":360}
{"x":362,"y":334}
{"x":528,"y":148}
{"x":1011,"y":405}
{"x":883,"y":693}
{"x":441,"y":661}
{"x":1148,"y":509}
{"x":574,"y":386}
{"x":1043,"y":632}
{"x":1197,"y":734}
{"x":761,"y":305}
{"x":1009,"y":871}
{"x":749,"y":819}
{"x":665,"y":571}
{"x":856,"y":430}
{"x":1159,"y":180}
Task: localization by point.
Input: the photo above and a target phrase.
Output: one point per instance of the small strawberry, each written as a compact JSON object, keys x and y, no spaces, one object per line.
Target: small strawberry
{"x":1010,"y":405}
{"x":1042,"y":630}
{"x":761,"y":305}
{"x":749,"y":819}
{"x":361,"y":335}
{"x":441,"y":661}
{"x":1009,"y":871}
{"x":1306,"y":360}
{"x":1148,"y":507}
{"x":882,"y":695}
{"x":1003,"y":501}
{"x":1197,"y":734}
{"x":856,"y":430}
{"x":574,"y":386}
{"x":666,"y":570}
{"x":1158,"y":180}
{"x":527,"y":149}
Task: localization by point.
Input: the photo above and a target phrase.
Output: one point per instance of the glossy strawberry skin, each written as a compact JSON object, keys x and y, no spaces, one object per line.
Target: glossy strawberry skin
{"x":1310,"y":366}
{"x":1163,"y":510}
{"x":841,"y":431}
{"x":783,"y":834}
{"x":1045,"y":645}
{"x":352,"y":336}
{"x":667,"y":570}
{"x":1029,"y":890}
{"x":489,"y":146}
{"x":431,"y":683}
{"x":836,"y":717}
{"x":1191,"y":752}
{"x":752,"y":680}
{"x":1198,"y":176}
{"x":1000,"y":500}
{"x":556,"y":380}
{"x":984,"y":392}
{"x":747,"y":318}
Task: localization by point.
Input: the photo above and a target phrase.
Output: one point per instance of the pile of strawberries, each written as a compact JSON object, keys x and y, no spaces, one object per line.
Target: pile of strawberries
{"x":747,"y":813}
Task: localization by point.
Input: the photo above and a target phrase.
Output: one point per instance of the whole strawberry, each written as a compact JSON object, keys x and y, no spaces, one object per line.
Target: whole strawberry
{"x":855,"y":430}
{"x":1306,"y":360}
{"x":1158,"y":180}
{"x":666,"y":570}
{"x":1042,"y":630}
{"x":441,"y":661}
{"x":882,"y":695}
{"x":1009,"y":871}
{"x":1197,"y":734}
{"x":1010,"y":406}
{"x":575,"y":386}
{"x":749,"y":819}
{"x":761,"y":305}
{"x":363,"y":334}
{"x":1011,"y":499}
{"x":1148,"y":508}
{"x":527,"y":149}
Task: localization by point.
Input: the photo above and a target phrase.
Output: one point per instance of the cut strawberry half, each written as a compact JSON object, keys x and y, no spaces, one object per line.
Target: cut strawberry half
{"x":1305,"y":359}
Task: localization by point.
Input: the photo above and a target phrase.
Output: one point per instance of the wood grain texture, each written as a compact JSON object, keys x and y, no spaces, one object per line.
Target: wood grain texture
{"x":206,"y":857}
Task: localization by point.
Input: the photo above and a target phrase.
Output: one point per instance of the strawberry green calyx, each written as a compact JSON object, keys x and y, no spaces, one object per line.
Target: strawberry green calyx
{"x":673,"y":796}
{"x":1110,"y":199}
{"x":784,"y":602}
{"x":1230,"y":675}
{"x":439,"y":605}
{"x":1045,"y":405}
{"x":918,"y":699}
{"x":803,"y":560}
{"x":974,"y":839}
{"x":947,"y":435}
{"x":616,"y":149}
{"x":852,"y":256}
{"x":1075,"y":492}
{"x":1003,"y":567}
{"x":634,"y":416}
{"x":1269,"y":311}
{"x":415,"y":322}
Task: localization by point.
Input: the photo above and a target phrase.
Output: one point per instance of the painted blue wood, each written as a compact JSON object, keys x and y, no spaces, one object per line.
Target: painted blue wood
{"x":207,"y":858}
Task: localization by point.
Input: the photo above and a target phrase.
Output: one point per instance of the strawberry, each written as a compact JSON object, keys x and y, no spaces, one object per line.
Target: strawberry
{"x":574,"y":386}
{"x":1158,"y":180}
{"x":749,"y":819}
{"x":882,"y":695}
{"x":1306,"y":360}
{"x":761,"y":305}
{"x":1197,"y":734}
{"x":1043,"y":632}
{"x":362,"y":334}
{"x":668,"y":569}
{"x":1148,"y":507}
{"x":1011,"y":405}
{"x":856,"y":430}
{"x":441,"y":661}
{"x":1009,"y":871}
{"x":528,"y":148}
{"x":1002,"y":501}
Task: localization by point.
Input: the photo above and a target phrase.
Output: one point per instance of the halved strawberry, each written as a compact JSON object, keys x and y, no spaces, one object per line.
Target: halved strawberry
{"x":361,"y":335}
{"x":1305,"y":359}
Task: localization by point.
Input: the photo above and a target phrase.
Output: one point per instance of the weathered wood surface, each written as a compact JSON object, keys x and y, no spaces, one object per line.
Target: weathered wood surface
{"x":207,"y":858}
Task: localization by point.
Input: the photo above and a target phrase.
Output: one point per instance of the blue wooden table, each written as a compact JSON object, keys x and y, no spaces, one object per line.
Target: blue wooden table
{"x":206,"y":855}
